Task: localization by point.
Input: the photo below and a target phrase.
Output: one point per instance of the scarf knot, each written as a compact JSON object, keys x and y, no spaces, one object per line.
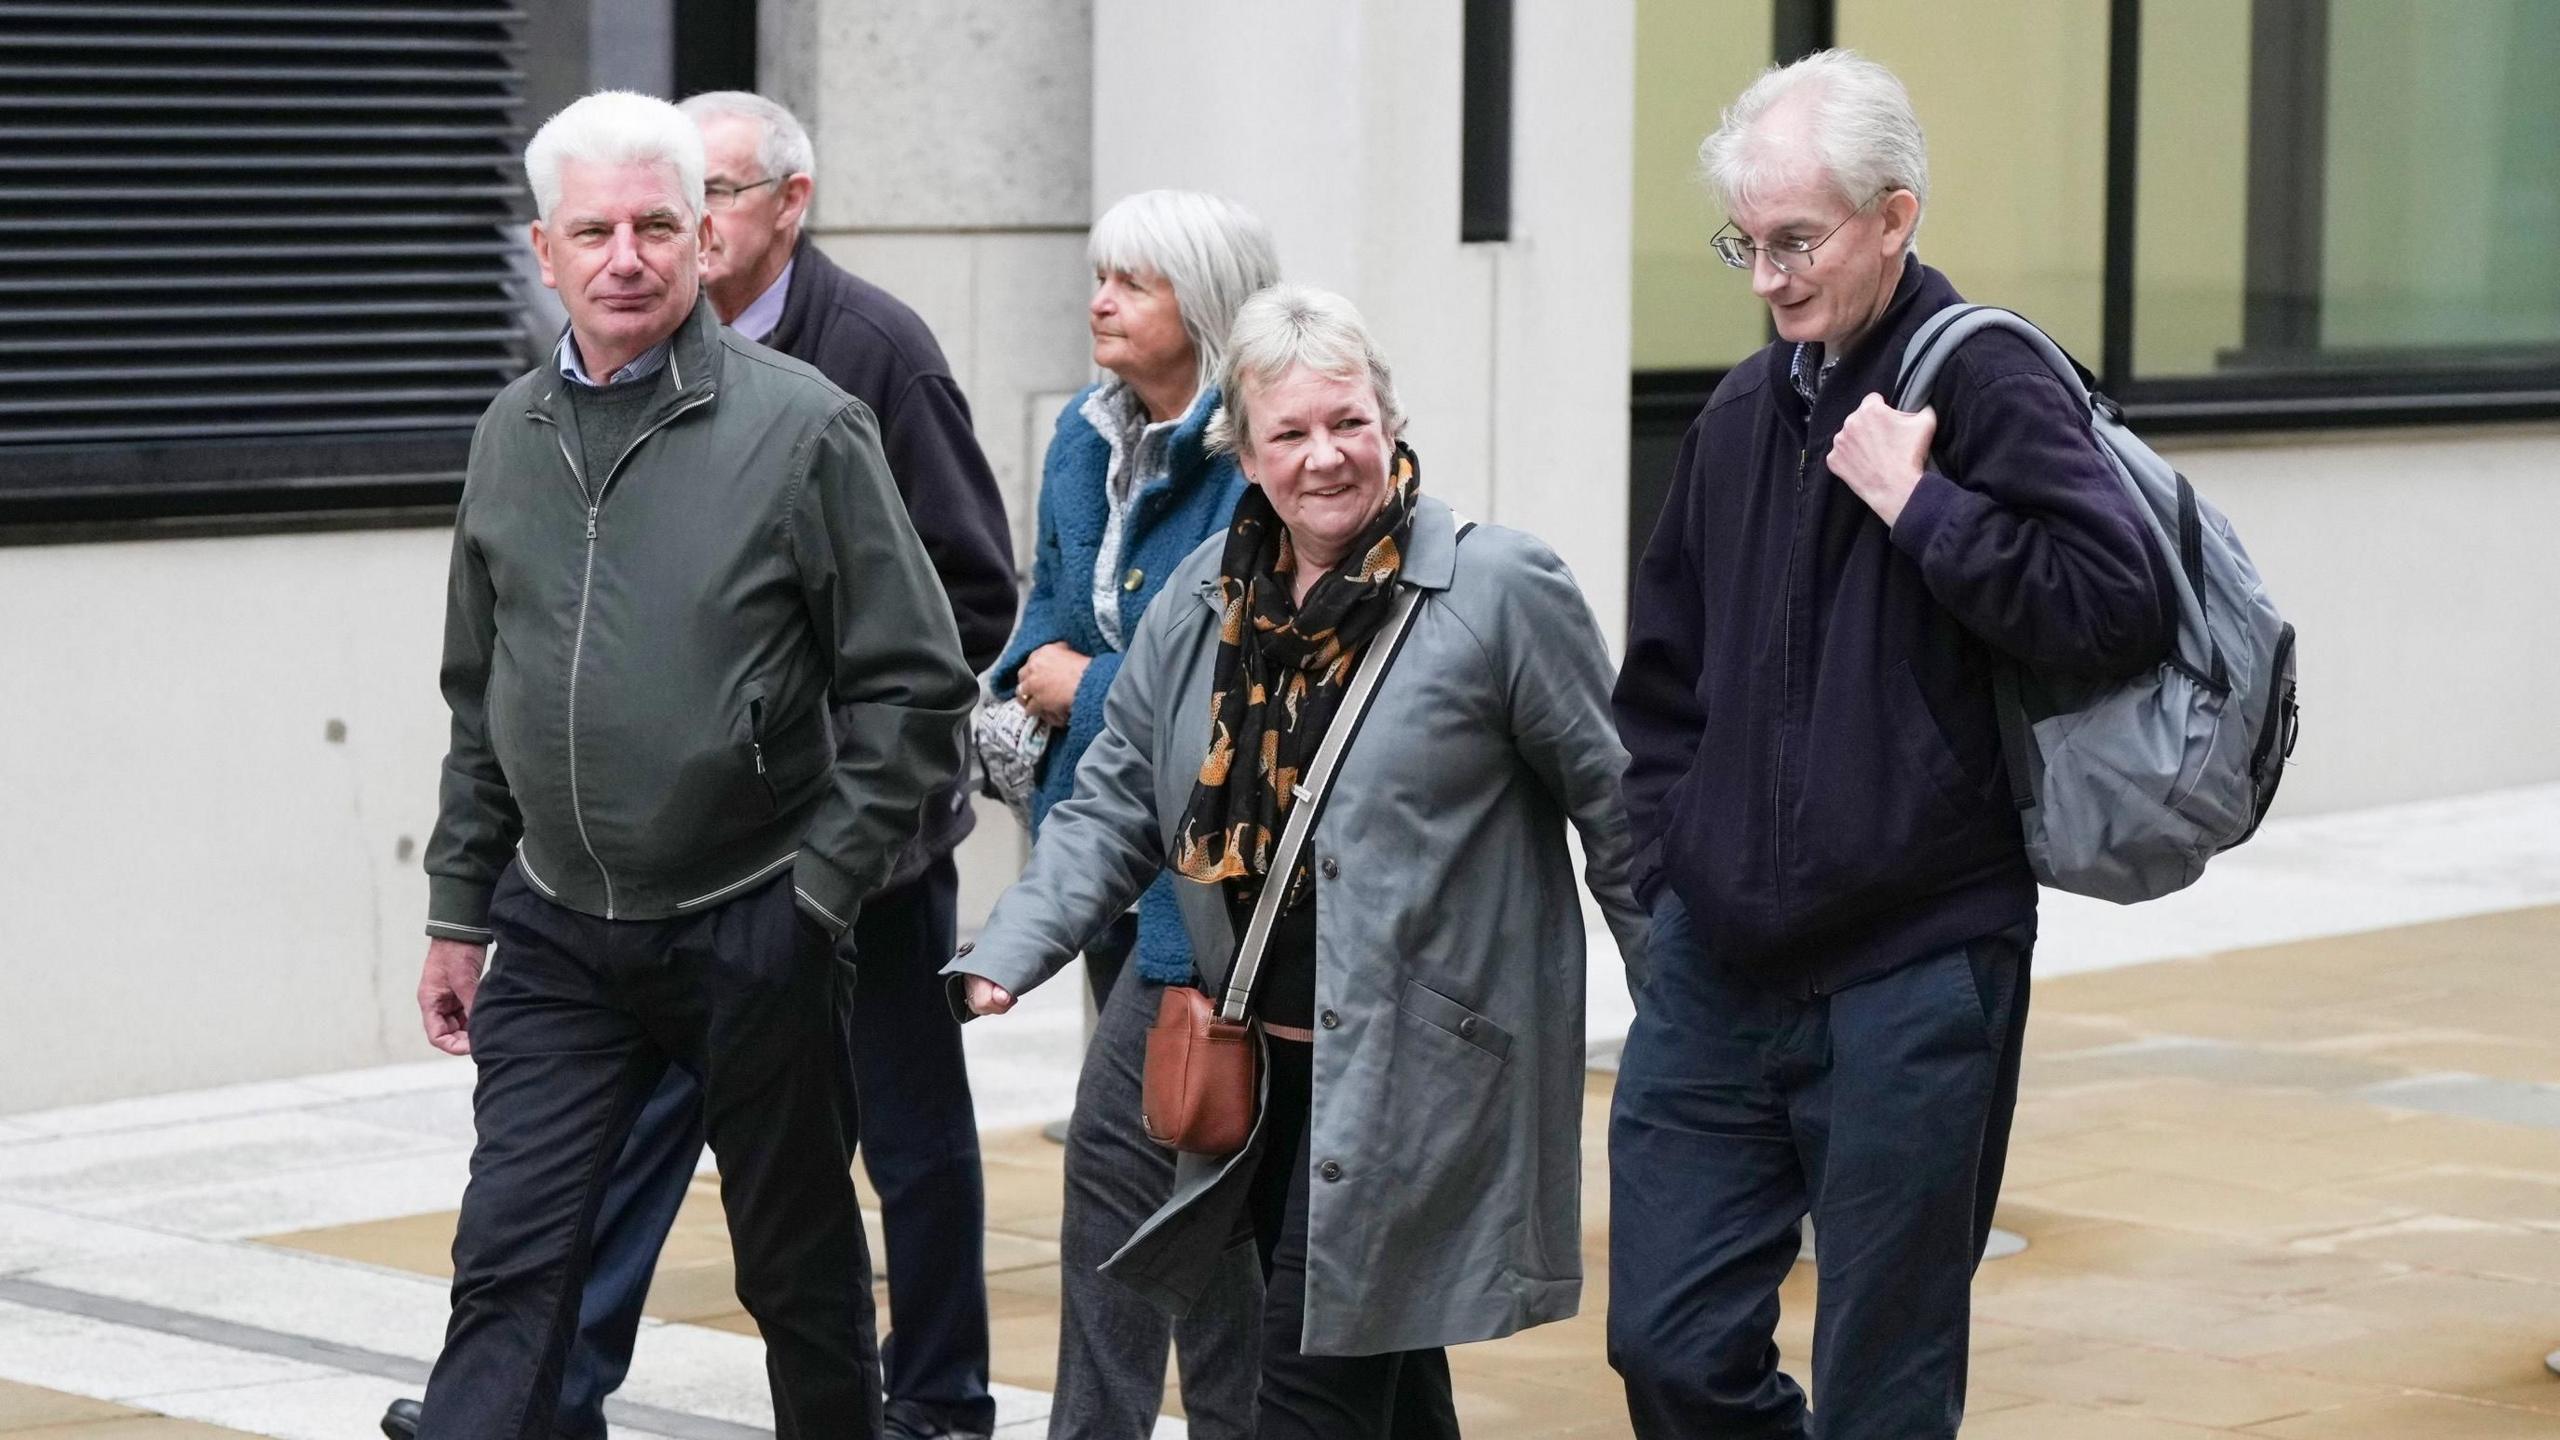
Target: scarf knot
{"x":1282,"y":668}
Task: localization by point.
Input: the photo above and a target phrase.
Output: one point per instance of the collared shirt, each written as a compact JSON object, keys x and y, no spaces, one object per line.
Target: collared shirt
{"x":1808,"y":368}
{"x":649,"y":363}
{"x":1141,"y":455}
{"x":756,"y":322}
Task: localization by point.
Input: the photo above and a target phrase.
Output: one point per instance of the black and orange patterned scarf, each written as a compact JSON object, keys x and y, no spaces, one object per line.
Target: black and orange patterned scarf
{"x":1281,"y":672}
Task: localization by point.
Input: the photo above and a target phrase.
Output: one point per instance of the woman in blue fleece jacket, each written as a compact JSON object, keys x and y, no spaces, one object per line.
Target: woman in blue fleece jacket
{"x":1127,"y":491}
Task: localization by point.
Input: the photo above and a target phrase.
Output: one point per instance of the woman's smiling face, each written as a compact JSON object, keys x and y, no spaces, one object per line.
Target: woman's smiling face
{"x":1316,"y":445}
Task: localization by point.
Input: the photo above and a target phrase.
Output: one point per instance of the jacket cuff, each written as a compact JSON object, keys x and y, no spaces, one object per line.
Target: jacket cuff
{"x":458,"y":909}
{"x":1932,"y":506}
{"x":823,"y":896}
{"x":955,"y":986}
{"x":1085,"y":718}
{"x":1018,"y":973}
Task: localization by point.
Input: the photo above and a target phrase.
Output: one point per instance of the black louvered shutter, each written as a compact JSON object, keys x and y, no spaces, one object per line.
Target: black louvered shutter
{"x":252,"y":248}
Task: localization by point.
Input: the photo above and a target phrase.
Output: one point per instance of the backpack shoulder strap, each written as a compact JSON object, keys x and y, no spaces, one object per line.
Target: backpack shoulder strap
{"x":1930,"y":346}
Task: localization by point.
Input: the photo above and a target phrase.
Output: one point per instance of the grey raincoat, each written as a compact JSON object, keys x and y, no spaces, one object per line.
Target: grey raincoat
{"x":1444,"y":1201}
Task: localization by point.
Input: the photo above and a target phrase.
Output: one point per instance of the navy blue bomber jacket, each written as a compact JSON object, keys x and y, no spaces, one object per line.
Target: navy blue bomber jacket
{"x":1807,"y":697}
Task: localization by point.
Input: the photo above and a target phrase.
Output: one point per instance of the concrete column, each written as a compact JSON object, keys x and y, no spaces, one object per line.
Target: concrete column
{"x":952,"y":142}
{"x":1338,"y":122}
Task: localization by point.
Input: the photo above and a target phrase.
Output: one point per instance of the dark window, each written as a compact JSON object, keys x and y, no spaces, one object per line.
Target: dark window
{"x":261,"y":255}
{"x":1484,"y":164}
{"x":715,"y":44}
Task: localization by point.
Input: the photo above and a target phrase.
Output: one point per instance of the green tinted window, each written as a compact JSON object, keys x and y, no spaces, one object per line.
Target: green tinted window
{"x":1692,"y":58}
{"x":2013,"y":97}
{"x":2368,"y":184}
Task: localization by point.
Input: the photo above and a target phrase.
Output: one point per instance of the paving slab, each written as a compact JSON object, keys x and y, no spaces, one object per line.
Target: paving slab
{"x":2306,"y":1189}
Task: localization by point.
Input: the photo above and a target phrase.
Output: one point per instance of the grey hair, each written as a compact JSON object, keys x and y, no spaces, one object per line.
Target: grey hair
{"x":783,"y":147}
{"x":1863,"y":136}
{"x":615,"y":127}
{"x":1288,"y":326}
{"x":1213,"y":252}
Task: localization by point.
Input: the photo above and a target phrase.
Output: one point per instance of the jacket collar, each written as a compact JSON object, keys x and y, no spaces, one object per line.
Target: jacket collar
{"x":813,"y":278}
{"x":1431,"y":556}
{"x":1872,"y":363}
{"x":693,"y":367}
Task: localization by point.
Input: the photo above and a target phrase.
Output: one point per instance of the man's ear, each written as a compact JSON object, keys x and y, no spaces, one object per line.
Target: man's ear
{"x":1901,"y":210}
{"x":796,"y":193}
{"x":541,"y":239}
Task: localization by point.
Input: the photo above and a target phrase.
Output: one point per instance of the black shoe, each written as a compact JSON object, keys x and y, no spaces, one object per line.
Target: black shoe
{"x":400,"y":1422}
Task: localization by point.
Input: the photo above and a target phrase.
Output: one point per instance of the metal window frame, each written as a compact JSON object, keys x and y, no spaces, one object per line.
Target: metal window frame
{"x":2376,"y":392}
{"x":2288,"y":119}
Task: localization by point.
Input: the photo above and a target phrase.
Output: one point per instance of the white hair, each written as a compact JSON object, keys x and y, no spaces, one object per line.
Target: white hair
{"x":1860,"y":134}
{"x":1288,"y":326}
{"x":782,"y":146}
{"x":1213,"y":252}
{"x":615,"y":127}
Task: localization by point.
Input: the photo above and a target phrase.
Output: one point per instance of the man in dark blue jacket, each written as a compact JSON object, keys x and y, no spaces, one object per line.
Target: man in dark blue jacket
{"x":918,"y":1129}
{"x":1842,"y":906}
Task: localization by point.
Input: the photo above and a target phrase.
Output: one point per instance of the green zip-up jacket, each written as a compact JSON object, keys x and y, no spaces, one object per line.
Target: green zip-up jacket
{"x":641,"y":651}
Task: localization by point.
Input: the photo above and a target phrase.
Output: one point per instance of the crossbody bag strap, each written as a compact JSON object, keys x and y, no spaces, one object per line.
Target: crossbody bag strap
{"x":1311,"y":791}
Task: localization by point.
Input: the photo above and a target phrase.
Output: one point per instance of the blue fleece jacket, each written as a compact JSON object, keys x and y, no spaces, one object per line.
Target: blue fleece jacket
{"x":1166,"y":522}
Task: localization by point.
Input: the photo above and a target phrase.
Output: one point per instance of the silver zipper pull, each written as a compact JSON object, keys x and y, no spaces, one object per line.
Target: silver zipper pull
{"x":591,"y":522}
{"x":759,"y":754}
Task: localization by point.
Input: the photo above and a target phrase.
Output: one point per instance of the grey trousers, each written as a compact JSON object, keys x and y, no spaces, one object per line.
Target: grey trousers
{"x":1111,"y":1344}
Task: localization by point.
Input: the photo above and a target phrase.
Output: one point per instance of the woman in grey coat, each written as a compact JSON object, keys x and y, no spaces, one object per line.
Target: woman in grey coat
{"x":1413,"y":1177}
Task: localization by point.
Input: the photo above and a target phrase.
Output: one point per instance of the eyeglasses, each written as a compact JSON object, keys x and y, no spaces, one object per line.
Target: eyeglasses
{"x":1789,"y":256}
{"x":721,"y":197}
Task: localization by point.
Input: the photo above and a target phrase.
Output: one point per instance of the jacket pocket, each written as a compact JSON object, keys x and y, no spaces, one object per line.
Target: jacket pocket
{"x":758,"y":734}
{"x":1439,"y":1011}
{"x":1922,"y":741}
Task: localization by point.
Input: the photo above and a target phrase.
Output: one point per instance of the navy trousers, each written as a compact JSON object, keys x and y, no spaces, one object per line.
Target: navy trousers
{"x":575,"y":1024}
{"x":919,"y":1141}
{"x":1883,"y":1110}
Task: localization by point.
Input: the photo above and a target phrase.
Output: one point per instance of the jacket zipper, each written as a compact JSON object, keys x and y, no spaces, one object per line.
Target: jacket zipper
{"x":1786,"y":692}
{"x":586,"y":593}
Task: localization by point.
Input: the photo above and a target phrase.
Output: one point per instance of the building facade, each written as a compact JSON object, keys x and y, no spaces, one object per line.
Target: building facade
{"x":2307,"y":242}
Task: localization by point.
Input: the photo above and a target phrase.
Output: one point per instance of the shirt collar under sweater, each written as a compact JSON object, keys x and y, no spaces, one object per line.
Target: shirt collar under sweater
{"x":649,"y":362}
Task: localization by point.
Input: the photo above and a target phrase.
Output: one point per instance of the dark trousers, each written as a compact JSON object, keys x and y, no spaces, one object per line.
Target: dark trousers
{"x":1107,"y":956}
{"x":919,"y":1141}
{"x":1402,"y":1395}
{"x":575,"y":1024}
{"x":1883,"y":1109}
{"x":1111,"y":1340}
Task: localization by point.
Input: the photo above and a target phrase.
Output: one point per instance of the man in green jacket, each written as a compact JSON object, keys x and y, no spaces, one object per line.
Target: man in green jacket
{"x":676,"y":553}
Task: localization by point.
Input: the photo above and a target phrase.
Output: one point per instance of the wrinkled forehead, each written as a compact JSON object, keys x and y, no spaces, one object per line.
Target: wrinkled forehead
{"x":619,"y":190}
{"x":1783,"y":183}
{"x":1301,"y":388}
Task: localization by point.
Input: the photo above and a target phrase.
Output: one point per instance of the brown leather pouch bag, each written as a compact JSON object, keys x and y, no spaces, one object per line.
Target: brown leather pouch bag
{"x":1203,"y":1077}
{"x":1203,"y":1080}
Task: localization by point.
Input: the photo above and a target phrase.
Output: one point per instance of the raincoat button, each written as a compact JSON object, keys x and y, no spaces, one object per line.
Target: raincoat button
{"x":1331,"y":1021}
{"x":1330,"y":1170}
{"x":1331,"y":870}
{"x":1467,"y":1027}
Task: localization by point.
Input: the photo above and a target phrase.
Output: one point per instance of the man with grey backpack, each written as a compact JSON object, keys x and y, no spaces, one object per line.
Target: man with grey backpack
{"x":1830,"y":623}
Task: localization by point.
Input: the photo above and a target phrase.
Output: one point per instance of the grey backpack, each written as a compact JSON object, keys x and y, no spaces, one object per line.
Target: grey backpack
{"x":2127,"y":787}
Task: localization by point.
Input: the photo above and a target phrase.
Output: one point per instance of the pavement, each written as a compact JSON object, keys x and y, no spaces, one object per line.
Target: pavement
{"x":2287,"y":1163}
